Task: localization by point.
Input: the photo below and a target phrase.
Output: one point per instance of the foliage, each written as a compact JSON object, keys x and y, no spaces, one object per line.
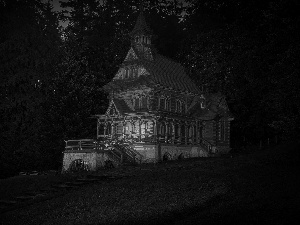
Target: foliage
{"x":28,"y":47}
{"x":249,"y":53}
{"x":50,"y":79}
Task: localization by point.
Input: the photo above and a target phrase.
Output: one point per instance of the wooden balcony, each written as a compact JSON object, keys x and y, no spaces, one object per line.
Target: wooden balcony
{"x":81,"y":145}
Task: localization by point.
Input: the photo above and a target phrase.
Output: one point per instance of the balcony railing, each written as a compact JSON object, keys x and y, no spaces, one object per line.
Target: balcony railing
{"x":82,"y":144}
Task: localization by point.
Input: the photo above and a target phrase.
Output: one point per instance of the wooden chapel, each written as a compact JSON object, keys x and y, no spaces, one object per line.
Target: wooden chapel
{"x":157,"y":110}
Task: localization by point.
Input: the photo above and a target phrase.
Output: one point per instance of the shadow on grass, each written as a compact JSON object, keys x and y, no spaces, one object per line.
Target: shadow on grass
{"x":175,"y":216}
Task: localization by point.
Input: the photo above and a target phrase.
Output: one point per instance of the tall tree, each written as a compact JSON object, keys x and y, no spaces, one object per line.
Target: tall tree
{"x":29,"y":42}
{"x":241,"y":53}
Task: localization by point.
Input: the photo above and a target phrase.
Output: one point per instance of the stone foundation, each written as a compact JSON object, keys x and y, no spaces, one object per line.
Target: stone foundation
{"x":154,"y":153}
{"x":223,"y":150}
{"x":94,"y":160}
{"x":176,"y":152}
{"x":148,"y":151}
{"x":151,"y":154}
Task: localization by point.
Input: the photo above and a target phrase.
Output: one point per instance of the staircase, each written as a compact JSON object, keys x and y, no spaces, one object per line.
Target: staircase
{"x":130,"y":156}
{"x":210,"y":148}
{"x":122,"y":153}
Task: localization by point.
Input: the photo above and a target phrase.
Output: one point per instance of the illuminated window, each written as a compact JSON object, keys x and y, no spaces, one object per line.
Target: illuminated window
{"x":119,"y":128}
{"x":128,"y":128}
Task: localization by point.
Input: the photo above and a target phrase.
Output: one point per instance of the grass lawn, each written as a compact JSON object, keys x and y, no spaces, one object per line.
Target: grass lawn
{"x":247,"y":189}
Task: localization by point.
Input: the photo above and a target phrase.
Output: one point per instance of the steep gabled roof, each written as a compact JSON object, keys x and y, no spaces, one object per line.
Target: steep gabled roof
{"x":162,"y":71}
{"x":169,"y":73}
{"x":122,"y":106}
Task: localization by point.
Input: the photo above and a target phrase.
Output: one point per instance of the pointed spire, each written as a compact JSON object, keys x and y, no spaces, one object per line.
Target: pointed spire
{"x":141,"y":27}
{"x":141,"y":6}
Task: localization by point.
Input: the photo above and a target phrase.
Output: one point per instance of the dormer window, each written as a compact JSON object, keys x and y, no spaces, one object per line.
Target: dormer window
{"x":126,"y":73}
{"x":134,"y":72}
{"x":202,"y":105}
{"x":130,"y":74}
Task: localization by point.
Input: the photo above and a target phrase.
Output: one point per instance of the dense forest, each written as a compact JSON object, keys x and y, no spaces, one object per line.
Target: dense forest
{"x":51,"y":76}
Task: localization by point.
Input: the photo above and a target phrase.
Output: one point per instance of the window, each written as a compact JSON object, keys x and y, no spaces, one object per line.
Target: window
{"x":222,"y":130}
{"x":168,"y":105}
{"x":101,"y":129}
{"x":162,"y":103}
{"x":170,"y":129}
{"x":162,"y":129}
{"x":149,"y":127}
{"x":130,"y":73}
{"x":182,"y":133}
{"x":108,"y":129}
{"x":119,"y":128}
{"x":195,"y":133}
{"x":183,"y":107}
{"x":144,"y":102}
{"x":177,"y":132}
{"x":135,"y":72}
{"x":178,"y":106}
{"x":137,"y":103}
{"x":128,"y":128}
{"x":202,"y":105}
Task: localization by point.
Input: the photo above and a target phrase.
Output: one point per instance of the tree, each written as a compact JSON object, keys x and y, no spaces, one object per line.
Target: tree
{"x":248,"y":52}
{"x":29,"y":41}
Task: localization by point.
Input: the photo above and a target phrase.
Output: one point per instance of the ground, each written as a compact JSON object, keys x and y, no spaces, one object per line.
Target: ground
{"x":253,"y":188}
